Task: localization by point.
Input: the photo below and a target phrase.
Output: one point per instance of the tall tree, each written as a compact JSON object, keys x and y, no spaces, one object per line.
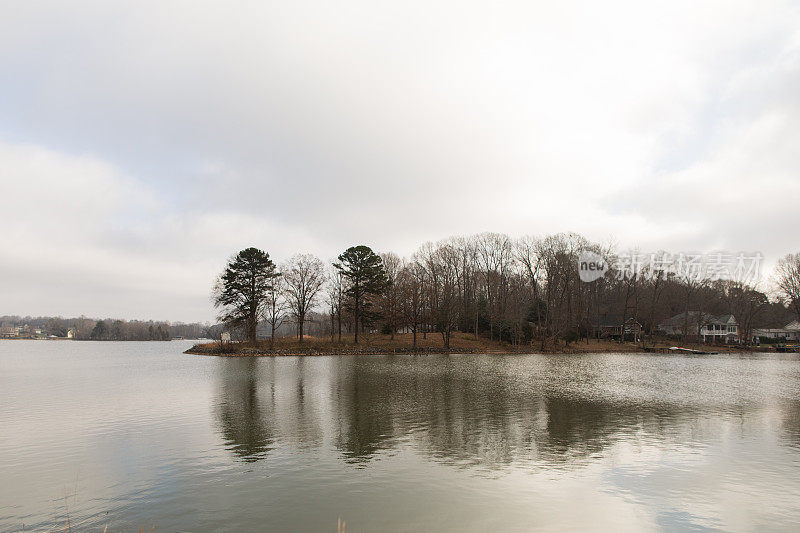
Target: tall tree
{"x":746,"y":304}
{"x":787,"y":274}
{"x":527,"y":253}
{"x":410,"y":282}
{"x":366,"y":275}
{"x":304,"y":277}
{"x":242,"y":289}
{"x":275,"y":307}
{"x":55,"y":326}
{"x":99,"y":332}
{"x":390,"y":298}
{"x":495,"y":253}
{"x":335,"y":290}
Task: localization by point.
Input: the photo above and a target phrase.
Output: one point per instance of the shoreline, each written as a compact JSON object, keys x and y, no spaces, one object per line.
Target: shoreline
{"x":593,"y":347}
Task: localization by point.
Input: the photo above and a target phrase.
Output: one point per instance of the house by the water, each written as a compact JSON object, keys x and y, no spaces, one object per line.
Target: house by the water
{"x":789,"y":333}
{"x":612,"y":326}
{"x":708,"y":327}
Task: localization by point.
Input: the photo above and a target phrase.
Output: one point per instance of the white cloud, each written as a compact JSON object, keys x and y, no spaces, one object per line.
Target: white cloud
{"x":81,"y":237}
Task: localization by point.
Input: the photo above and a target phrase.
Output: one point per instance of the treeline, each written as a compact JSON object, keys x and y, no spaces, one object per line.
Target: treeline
{"x":525,"y":290}
{"x":83,"y":328}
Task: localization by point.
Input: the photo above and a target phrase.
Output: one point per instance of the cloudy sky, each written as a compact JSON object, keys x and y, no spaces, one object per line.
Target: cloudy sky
{"x":141,"y":144}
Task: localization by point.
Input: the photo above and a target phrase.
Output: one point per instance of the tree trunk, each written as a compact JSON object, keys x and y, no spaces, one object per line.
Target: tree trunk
{"x":300,"y":322}
{"x":253,"y":311}
{"x":356,"y":317}
{"x":252,"y":327}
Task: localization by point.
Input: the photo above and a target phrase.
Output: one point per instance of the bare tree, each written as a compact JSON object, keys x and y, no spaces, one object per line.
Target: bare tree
{"x":83,"y":327}
{"x":335,"y":292}
{"x":787,"y":278}
{"x":631,"y":282}
{"x":746,"y":304}
{"x":494,"y":252}
{"x":275,"y":306}
{"x":559,"y":259}
{"x":527,"y":253}
{"x":691,"y":287}
{"x":304,"y":277}
{"x":411,"y":283}
{"x":390,"y":297}
{"x":442,"y":264}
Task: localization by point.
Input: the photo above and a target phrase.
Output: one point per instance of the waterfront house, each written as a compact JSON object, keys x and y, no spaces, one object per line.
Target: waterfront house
{"x":788,"y":333}
{"x":708,"y":327}
{"x":9,"y":331}
{"x":610,"y":326}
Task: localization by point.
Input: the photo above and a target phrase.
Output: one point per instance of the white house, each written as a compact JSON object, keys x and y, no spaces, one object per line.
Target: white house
{"x":710,"y":328}
{"x":10,"y":331}
{"x":722,"y":328}
{"x":788,"y":333}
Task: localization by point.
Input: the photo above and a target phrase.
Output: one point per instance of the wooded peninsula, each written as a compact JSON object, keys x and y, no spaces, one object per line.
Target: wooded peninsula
{"x":489,"y":293}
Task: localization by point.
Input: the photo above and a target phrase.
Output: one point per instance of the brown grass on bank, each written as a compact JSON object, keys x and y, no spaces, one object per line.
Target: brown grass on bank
{"x":432,"y":343}
{"x":367,"y":343}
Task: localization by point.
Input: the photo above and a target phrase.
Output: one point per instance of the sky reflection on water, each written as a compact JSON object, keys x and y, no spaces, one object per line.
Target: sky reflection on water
{"x":139,"y":434}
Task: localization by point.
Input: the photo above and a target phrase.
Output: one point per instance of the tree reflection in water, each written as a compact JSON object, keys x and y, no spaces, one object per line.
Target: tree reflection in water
{"x":483,"y":411}
{"x":245,"y":425}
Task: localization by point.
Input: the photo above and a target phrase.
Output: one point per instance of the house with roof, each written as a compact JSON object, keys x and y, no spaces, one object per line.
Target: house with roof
{"x":612,"y":326}
{"x":789,"y":333}
{"x":9,"y":331}
{"x":705,"y":326}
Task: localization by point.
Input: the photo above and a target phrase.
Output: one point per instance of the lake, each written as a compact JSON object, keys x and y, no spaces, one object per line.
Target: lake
{"x":134,"y":435}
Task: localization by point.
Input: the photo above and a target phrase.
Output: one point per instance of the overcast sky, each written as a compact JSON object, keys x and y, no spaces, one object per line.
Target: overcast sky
{"x":142,"y":144}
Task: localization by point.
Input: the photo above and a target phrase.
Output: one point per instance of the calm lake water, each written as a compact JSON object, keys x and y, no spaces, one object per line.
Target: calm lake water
{"x":140,"y":434}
